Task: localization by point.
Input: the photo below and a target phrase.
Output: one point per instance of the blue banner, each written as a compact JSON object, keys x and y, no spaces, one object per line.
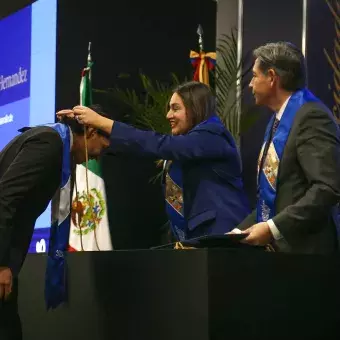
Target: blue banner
{"x":15,"y":57}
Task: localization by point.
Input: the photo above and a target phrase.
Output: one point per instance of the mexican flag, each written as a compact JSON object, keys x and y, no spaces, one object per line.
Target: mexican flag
{"x":89,"y":222}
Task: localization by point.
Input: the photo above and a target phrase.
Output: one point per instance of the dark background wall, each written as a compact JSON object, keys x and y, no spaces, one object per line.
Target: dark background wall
{"x":10,"y":6}
{"x":136,"y":35}
{"x":321,"y":37}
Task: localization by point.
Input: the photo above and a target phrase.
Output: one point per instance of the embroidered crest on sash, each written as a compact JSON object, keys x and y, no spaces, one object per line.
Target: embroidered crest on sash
{"x":271,"y":166}
{"x":260,"y":158}
{"x":174,"y":195}
{"x":265,"y":212}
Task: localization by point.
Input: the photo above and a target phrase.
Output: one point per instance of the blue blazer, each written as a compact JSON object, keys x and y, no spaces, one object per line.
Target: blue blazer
{"x":214,"y":199}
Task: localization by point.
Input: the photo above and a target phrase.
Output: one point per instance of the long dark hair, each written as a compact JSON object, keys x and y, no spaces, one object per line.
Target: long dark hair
{"x":198,"y":101}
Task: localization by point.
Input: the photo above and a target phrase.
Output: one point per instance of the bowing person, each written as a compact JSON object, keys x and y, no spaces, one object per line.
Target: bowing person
{"x":35,"y":167}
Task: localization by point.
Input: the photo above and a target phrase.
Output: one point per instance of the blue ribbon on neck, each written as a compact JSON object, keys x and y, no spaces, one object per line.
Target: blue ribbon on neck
{"x":55,"y":279}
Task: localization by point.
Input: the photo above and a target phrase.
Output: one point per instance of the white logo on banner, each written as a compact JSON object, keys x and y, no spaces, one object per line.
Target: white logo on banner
{"x":6,"y":119}
{"x":40,"y":246}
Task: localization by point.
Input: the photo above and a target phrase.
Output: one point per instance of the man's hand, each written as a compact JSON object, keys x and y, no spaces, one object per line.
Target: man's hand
{"x":5,"y":282}
{"x":259,"y":234}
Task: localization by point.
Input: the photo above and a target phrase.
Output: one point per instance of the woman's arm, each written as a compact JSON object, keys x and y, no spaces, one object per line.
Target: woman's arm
{"x":197,"y":144}
{"x":105,"y":124}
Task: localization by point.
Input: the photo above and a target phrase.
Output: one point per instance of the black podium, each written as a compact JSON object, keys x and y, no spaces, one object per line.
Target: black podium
{"x":186,"y":294}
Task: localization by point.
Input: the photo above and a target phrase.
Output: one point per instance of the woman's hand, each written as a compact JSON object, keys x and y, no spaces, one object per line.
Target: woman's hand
{"x":87,"y":116}
{"x":82,"y":114}
{"x":65,"y":113}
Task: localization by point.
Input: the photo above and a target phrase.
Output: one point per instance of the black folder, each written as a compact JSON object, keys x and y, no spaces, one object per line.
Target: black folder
{"x":213,"y":241}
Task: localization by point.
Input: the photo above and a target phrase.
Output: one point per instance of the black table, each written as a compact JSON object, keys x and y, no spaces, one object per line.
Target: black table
{"x":186,"y":294}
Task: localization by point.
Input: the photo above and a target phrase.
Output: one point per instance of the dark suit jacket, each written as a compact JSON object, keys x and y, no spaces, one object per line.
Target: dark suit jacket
{"x":214,"y":199}
{"x":30,"y":173}
{"x":308,"y":184}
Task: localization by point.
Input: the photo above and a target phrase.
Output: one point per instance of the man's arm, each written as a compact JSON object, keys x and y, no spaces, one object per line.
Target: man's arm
{"x":194,"y":145}
{"x":26,"y":176}
{"x":318,"y":150}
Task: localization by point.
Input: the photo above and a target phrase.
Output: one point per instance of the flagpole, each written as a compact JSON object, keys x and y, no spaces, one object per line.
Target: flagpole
{"x":89,"y":61}
{"x":200,"y":37}
{"x":85,"y":129}
{"x":86,"y":157}
{"x":203,"y":70}
{"x":77,"y":218}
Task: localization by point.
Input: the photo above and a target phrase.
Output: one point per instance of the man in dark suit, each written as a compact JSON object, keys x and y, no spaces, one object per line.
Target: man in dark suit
{"x":30,"y":174}
{"x":299,"y":164}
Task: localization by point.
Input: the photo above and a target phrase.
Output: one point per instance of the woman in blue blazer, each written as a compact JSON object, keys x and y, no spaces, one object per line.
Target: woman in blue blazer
{"x":203,"y":187}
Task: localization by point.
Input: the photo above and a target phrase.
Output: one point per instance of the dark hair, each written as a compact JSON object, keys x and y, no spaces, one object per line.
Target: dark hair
{"x":286,"y":60}
{"x":198,"y":101}
{"x":78,"y":128}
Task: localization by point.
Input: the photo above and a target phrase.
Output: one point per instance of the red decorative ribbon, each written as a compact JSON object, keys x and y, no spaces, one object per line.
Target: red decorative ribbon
{"x":202,"y":63}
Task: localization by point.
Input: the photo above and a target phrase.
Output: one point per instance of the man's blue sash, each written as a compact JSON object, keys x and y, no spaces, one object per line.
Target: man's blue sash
{"x":267,"y":178}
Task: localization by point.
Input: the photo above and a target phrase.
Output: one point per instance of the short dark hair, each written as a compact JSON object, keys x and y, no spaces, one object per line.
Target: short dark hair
{"x":78,"y":128}
{"x":286,"y":60}
{"x":198,"y":101}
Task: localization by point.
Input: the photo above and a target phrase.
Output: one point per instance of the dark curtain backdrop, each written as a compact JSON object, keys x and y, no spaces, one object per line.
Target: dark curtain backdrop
{"x":129,"y":36}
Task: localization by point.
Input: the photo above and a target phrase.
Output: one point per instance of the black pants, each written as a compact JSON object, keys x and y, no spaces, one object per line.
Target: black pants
{"x":10,"y":325}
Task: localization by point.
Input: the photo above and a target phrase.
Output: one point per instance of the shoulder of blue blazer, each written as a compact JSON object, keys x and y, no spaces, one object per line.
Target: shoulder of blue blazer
{"x":215,"y":125}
